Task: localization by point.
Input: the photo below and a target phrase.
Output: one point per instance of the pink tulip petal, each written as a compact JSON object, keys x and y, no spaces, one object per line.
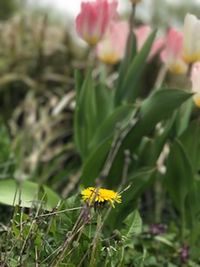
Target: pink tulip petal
{"x":112,"y":48}
{"x":172,"y":55}
{"x":94,"y":18}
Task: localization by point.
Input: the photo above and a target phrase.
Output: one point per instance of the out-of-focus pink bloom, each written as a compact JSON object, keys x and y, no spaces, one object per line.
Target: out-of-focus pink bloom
{"x":157,"y":229}
{"x":112,"y":47}
{"x":191,"y":45}
{"x":195,"y":78}
{"x":142,"y":33}
{"x":184,"y":254}
{"x":172,"y":55}
{"x":94,"y":18}
{"x":156,"y":47}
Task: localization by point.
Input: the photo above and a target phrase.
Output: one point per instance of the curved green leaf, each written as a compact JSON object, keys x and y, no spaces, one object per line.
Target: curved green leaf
{"x":26,"y":195}
{"x":179,"y":177}
{"x":94,"y":163}
{"x":101,"y":142}
{"x":84,"y":115}
{"x":191,"y":142}
{"x":108,"y":126}
{"x":154,"y":109}
{"x":128,"y":88}
{"x":131,"y":50}
{"x":138,"y":181}
{"x":133,"y":224}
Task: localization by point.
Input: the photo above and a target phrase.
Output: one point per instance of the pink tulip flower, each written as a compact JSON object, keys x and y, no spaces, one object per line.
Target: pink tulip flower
{"x":195,"y":78}
{"x":94,"y":18}
{"x":156,"y":47}
{"x":142,"y":33}
{"x":172,"y":55}
{"x":112,"y":47}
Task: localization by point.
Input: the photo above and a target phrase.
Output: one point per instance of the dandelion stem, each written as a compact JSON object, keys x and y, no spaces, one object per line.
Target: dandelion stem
{"x":93,"y":260}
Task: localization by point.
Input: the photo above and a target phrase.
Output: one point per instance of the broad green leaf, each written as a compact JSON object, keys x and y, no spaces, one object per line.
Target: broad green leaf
{"x":128,"y":89}
{"x":27,"y":193}
{"x":191,"y":142}
{"x":192,"y":209}
{"x":151,"y":148}
{"x":101,"y":142}
{"x":162,"y":103}
{"x":78,"y":82}
{"x":138,"y":182}
{"x":154,"y":109}
{"x":164,"y":240}
{"x":108,"y":127}
{"x":133,"y":224}
{"x":179,"y":177}
{"x":94,"y":163}
{"x":183,"y":116}
{"x":94,"y":105}
{"x":85,"y":115}
{"x":184,"y":189}
{"x":104,"y":103}
{"x":130,"y":54}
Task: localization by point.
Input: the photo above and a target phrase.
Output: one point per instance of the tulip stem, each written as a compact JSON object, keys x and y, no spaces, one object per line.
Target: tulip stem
{"x":132,"y":17}
{"x":92,"y":56}
{"x":131,"y":25}
{"x":160,"y":78}
{"x":93,"y":261}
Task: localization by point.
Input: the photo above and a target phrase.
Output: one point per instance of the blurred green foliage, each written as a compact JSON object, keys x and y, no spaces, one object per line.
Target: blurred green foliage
{"x":37,"y":58}
{"x":168,"y":14}
{"x":7,"y":8}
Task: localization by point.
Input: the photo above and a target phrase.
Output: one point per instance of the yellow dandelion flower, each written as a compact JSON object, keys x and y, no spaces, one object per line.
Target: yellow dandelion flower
{"x":100,"y":195}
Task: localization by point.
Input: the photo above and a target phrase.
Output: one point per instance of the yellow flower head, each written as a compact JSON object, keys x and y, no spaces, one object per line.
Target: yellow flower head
{"x":100,"y":195}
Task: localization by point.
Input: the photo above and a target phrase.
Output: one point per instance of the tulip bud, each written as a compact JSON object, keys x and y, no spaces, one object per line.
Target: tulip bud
{"x":195,"y":78}
{"x":172,"y":55}
{"x":191,"y":45}
{"x":94,"y":18}
{"x":112,"y":48}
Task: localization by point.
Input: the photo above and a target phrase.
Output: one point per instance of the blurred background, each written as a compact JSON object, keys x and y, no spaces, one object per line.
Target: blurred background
{"x":146,"y":9}
{"x":39,"y":50}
